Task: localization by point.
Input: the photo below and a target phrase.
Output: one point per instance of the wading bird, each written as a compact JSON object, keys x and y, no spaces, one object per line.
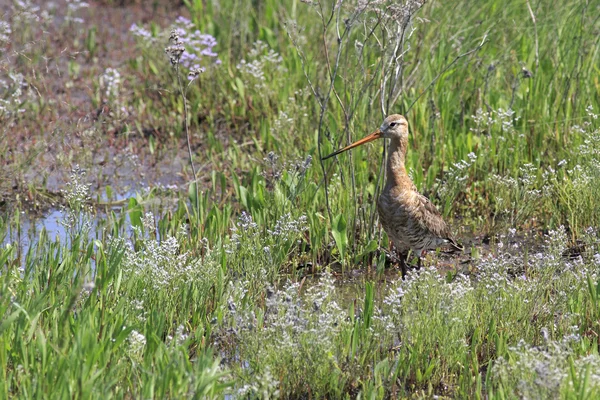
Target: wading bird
{"x":410,"y":219}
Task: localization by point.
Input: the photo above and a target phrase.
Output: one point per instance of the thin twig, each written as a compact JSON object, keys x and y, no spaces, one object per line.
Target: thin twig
{"x":326,"y":100}
{"x":446,"y":68}
{"x":187,"y":135}
{"x":515,"y":85}
{"x":537,"y":52}
{"x":304,"y":69}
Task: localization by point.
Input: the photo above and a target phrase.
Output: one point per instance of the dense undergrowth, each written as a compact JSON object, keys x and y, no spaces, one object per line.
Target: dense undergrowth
{"x":240,"y":287}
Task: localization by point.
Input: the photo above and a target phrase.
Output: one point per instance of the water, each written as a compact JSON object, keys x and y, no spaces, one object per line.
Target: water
{"x":23,"y":231}
{"x":30,"y":228}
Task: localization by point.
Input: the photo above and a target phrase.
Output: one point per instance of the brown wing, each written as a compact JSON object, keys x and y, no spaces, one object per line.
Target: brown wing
{"x":432,"y":220}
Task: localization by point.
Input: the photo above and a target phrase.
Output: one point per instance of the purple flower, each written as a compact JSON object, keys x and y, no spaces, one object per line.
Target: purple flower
{"x":139,"y":31}
{"x":198,"y":46}
{"x":183,"y":21}
{"x":208,"y":52}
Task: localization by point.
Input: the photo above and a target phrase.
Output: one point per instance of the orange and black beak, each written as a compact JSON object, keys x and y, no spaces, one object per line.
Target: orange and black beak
{"x":370,"y":138}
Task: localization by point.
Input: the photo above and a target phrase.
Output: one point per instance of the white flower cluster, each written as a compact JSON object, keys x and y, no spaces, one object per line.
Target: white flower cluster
{"x":111,"y":82}
{"x":485,"y":121}
{"x":260,"y":63}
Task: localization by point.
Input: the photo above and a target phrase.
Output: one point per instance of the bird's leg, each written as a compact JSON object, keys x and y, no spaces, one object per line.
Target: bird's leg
{"x":396,"y":255}
{"x":420,"y":258}
{"x":403,"y":266}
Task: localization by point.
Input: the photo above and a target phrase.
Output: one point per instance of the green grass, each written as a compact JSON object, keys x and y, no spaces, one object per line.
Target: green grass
{"x":457,"y":108}
{"x":248,"y":286}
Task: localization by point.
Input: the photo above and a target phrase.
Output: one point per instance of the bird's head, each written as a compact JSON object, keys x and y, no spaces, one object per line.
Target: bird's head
{"x":395,"y":126}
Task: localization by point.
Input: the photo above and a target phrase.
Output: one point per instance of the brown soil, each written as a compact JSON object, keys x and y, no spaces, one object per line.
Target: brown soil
{"x":39,"y":148}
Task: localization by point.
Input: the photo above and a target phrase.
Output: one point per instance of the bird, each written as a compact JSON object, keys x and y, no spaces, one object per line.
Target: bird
{"x":411,"y":220}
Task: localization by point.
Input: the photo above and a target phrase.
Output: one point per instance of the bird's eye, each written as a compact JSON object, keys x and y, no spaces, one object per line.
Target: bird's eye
{"x":393,"y":124}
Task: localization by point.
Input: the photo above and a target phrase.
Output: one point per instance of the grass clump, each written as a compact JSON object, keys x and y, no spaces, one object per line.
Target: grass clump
{"x":549,"y":371}
{"x":292,"y":338}
{"x":148,"y":318}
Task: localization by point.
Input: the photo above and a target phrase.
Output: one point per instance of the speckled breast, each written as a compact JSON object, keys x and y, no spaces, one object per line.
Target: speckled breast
{"x":399,"y":217}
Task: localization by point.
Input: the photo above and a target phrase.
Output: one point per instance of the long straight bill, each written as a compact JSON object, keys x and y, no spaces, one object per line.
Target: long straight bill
{"x":370,"y":138}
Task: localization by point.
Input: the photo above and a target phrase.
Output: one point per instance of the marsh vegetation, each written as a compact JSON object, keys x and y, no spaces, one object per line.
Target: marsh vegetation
{"x":169,"y":230}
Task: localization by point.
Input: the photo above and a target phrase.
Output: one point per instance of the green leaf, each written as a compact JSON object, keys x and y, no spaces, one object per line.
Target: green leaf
{"x":193,"y":194}
{"x":239,"y":87}
{"x":369,"y":248}
{"x":109,"y":193}
{"x":7,"y":321}
{"x":153,"y":67}
{"x":381,"y":263}
{"x":135,"y":213}
{"x":244,"y":197}
{"x":369,"y":305}
{"x":152,"y":144}
{"x":121,"y":336}
{"x":429,"y":371}
{"x":338,"y":230}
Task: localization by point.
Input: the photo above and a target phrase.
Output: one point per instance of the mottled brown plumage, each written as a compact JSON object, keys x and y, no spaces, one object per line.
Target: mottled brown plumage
{"x":411,"y":221}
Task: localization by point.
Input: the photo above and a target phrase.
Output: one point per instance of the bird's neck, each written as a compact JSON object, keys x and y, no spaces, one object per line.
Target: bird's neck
{"x":396,"y":170}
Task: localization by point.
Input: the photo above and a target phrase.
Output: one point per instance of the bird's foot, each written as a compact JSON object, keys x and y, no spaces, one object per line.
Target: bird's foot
{"x":403,"y":267}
